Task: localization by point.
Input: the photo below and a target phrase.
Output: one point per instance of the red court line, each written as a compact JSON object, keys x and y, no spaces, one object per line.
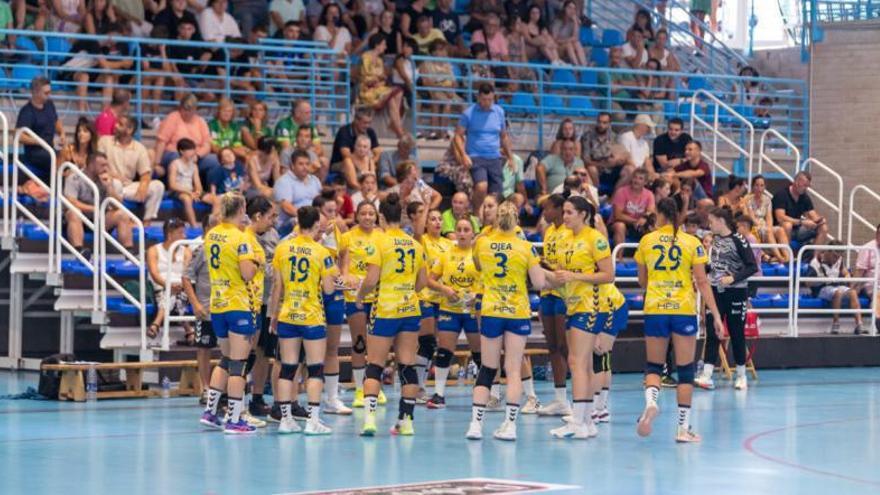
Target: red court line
{"x":749,"y":445}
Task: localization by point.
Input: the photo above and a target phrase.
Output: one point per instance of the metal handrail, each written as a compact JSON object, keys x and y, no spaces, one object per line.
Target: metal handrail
{"x":838,"y":207}
{"x":60,"y":241}
{"x":716,"y":133}
{"x":140,"y":302}
{"x":853,"y":215}
{"x":4,"y":128}
{"x":764,"y":156}
{"x":844,"y":280}
{"x":17,"y":206}
{"x":166,"y":294}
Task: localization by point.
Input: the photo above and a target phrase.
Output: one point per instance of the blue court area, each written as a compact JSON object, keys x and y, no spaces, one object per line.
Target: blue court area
{"x":798,"y":432}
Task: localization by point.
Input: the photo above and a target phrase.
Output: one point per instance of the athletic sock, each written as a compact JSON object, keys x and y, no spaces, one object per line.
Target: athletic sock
{"x":495,"y":391}
{"x":477,"y":411}
{"x":652,"y":396}
{"x":213,"y":400}
{"x":314,"y":411}
{"x":708,"y":369}
{"x":604,"y":397}
{"x":440,"y":376}
{"x":512,"y":412}
{"x":529,"y":386}
{"x":286,"y":410}
{"x":422,"y":368}
{"x":257,"y":399}
{"x":740,"y":370}
{"x":559,"y":393}
{"x":358,"y":374}
{"x":331,"y":386}
{"x":372,"y":402}
{"x":406,"y":408}
{"x":684,"y":416}
{"x":579,"y":414}
{"x":236,"y":406}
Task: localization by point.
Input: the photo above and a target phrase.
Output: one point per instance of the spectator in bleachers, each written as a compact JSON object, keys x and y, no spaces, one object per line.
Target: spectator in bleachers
{"x":481,"y":13}
{"x":441,"y":77}
{"x":106,"y":70}
{"x":426,"y":33}
{"x":566,"y":132}
{"x":643,"y":24}
{"x":230,"y":176}
{"x":255,"y":125}
{"x":596,"y":145}
{"x":830,"y":264}
{"x":517,"y":8}
{"x":758,"y":206}
{"x":99,"y":15}
{"x":331,"y":31}
{"x":283,"y":11}
{"x":40,"y":116}
{"x":866,"y":264}
{"x":493,"y":37}
{"x":514,"y":187}
{"x":694,"y":167}
{"x":406,"y":147}
{"x":632,"y":205}
{"x":7,"y":22}
{"x":748,"y":91}
{"x":133,"y":15}
{"x":368,"y":192}
{"x":460,"y":209}
{"x":130,"y":163}
{"x":410,"y":15}
{"x":634,"y":52}
{"x":735,"y":194}
{"x":553,"y":169}
{"x":518,"y":53}
{"x":388,"y":29}
{"x":635,"y":141}
{"x":294,"y":189}
{"x":263,"y":168}
{"x":660,"y":51}
{"x":412,"y":188}
{"x":154,"y":67}
{"x":344,"y":203}
{"x":403,"y":72}
{"x":78,"y":192}
{"x":447,"y":21}
{"x":186,"y":60}
{"x":539,"y":41}
{"x":375,"y":92}
{"x":452,"y":167}
{"x":225,"y":131}
{"x":317,"y":165}
{"x":185,"y":122}
{"x":566,"y":30}
{"x":699,"y":10}
{"x":173,"y":15}
{"x":669,"y":147}
{"x":480,"y":135}
{"x":84,"y":143}
{"x":655,"y":88}
{"x":161,"y":262}
{"x":343,"y":143}
{"x":216,"y":24}
{"x":661,"y":188}
{"x":119,"y":105}
{"x":250,"y":13}
{"x":184,"y":182}
{"x":360,"y":161}
{"x":623,"y":86}
{"x":793,"y":211}
{"x":481,"y":73}
{"x":287,"y":128}
{"x":685,"y":198}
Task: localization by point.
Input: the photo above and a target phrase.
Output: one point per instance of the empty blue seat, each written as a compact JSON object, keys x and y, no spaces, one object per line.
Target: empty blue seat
{"x":522,"y":102}
{"x":762,"y":301}
{"x":670,"y":109}
{"x":768,"y":269}
{"x":586,"y":36}
{"x":809,"y":302}
{"x":75,"y":267}
{"x":564,"y":80}
{"x":606,"y":210}
{"x":589,"y":79}
{"x":22,"y":75}
{"x":581,"y":106}
{"x":58,"y":49}
{"x":636,"y":302}
{"x":626,"y":269}
{"x":129,"y":309}
{"x":599,"y":56}
{"x":115,"y":302}
{"x":551,"y":103}
{"x":28,"y":46}
{"x":125,"y":269}
{"x":193,"y":232}
{"x":612,"y":37}
{"x":780,"y":301}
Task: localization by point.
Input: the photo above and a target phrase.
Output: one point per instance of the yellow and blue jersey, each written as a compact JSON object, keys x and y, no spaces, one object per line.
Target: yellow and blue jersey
{"x":302,"y":263}
{"x":457,"y":270}
{"x":504,"y":261}
{"x":435,"y":248}
{"x":400,"y":258}
{"x":360,"y":246}
{"x":669,"y":261}
{"x":257,"y":284}
{"x":225,"y":246}
{"x":581,"y":253}
{"x":554,"y":239}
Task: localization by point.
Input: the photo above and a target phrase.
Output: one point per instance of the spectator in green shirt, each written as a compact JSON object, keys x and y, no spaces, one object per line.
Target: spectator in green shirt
{"x":300,"y":115}
{"x":225,"y":132}
{"x":461,"y":208}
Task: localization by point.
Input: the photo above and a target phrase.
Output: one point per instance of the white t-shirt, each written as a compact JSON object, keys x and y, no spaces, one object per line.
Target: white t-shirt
{"x":217,"y":29}
{"x":638,"y":148}
{"x":343,"y":37}
{"x":289,"y":10}
{"x":867,"y":261}
{"x":628,"y":51}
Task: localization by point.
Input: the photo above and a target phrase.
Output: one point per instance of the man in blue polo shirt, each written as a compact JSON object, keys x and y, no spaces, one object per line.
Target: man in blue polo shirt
{"x":480,"y":134}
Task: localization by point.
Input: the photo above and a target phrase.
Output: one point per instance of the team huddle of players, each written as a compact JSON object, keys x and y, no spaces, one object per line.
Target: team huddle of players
{"x":400,"y":291}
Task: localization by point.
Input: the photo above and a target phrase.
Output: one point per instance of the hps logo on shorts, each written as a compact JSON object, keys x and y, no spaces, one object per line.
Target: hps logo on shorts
{"x":690,"y":329}
{"x":444,"y":318}
{"x":242,"y":322}
{"x":524,"y":328}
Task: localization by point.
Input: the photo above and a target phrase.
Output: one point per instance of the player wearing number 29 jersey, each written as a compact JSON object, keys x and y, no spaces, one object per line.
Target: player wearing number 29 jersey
{"x":670,"y":264}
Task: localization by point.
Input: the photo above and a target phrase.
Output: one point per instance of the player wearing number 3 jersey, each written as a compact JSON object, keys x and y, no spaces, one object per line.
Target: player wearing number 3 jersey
{"x":398,"y":266}
{"x":669,"y":261}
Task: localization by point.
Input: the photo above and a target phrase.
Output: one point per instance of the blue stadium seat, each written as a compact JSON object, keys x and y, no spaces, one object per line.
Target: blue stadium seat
{"x":551,"y":103}
{"x":588,"y":80}
{"x":636,"y":302}
{"x":605,"y":210}
{"x":612,"y":37}
{"x":22,"y":75}
{"x":626,"y":269}
{"x":564,"y":80}
{"x":28,"y":47}
{"x":670,"y":109}
{"x":58,"y":49}
{"x":75,"y":267}
{"x":534,"y":301}
{"x":599,"y":56}
{"x":809,"y":302}
{"x":461,"y":6}
{"x":581,"y":106}
{"x":124,"y":269}
{"x":762,"y":301}
{"x":586,"y":36}
{"x":779,"y":301}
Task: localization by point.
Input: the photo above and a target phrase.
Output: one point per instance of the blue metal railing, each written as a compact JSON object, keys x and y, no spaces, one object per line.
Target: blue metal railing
{"x":277,"y":73}
{"x":841,"y":10}
{"x":544,"y":95}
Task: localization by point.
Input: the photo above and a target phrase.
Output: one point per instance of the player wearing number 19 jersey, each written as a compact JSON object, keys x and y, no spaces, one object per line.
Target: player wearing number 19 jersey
{"x":668,"y":262}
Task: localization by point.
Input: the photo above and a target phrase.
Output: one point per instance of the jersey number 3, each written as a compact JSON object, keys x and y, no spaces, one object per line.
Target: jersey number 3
{"x":667,"y":261}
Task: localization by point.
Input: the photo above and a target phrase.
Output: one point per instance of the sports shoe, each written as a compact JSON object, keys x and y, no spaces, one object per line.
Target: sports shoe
{"x":203,"y":400}
{"x":382,"y":400}
{"x":571,"y":430}
{"x":668,"y":382}
{"x":859,"y":330}
{"x":645,"y":420}
{"x":592,"y":429}
{"x":369,"y":428}
{"x":422,"y":397}
{"x":531,"y":406}
{"x":404,"y":427}
{"x":741,"y":382}
{"x":253,"y":420}
{"x":835,"y":328}
{"x":494,"y":404}
{"x":336,"y":406}
{"x":240,"y":428}
{"x":507,"y":431}
{"x":316,"y":427}
{"x":475,"y":431}
{"x":555,"y":408}
{"x":274,"y":414}
{"x":568,"y":418}
{"x":436,"y":402}
{"x":288,"y":426}
{"x":259,"y":408}
{"x":601,"y":416}
{"x":211,"y":420}
{"x":704,"y":382}
{"x":686,"y":435}
{"x":358,"y":398}
{"x":299,"y":412}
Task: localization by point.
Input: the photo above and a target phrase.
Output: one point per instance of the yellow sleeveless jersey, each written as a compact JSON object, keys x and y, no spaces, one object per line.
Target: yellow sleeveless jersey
{"x":435,"y":248}
{"x":504,"y":261}
{"x":489,"y":230}
{"x":399,"y":258}
{"x":580,"y":254}
{"x":457,"y":270}
{"x":554,"y":238}
{"x":225,"y":246}
{"x":302,"y":263}
{"x":670,"y":271}
{"x":360,"y":246}
{"x":257,"y":284}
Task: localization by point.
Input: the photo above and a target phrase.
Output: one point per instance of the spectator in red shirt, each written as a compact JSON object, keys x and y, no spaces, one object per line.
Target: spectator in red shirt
{"x":632,"y":205}
{"x":694,"y":167}
{"x":119,"y":105}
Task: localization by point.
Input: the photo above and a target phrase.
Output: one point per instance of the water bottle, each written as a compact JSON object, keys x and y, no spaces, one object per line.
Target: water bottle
{"x":92,"y":384}
{"x":462,"y":372}
{"x":548,"y":373}
{"x":166,"y":387}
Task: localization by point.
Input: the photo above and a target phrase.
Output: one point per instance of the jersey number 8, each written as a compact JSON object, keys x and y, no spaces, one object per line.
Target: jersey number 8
{"x":215,"y":256}
{"x":673,"y":257}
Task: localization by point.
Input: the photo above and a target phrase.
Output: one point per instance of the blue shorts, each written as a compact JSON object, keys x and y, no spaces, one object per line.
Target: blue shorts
{"x":390,"y":327}
{"x":492,"y":326}
{"x":307,"y":332}
{"x":619,"y":320}
{"x":552,"y":305}
{"x":456,"y":322}
{"x":334,"y":308}
{"x":478,"y":306}
{"x":240,"y":322}
{"x":429,"y":309}
{"x":665,"y":325}
{"x":351,"y":309}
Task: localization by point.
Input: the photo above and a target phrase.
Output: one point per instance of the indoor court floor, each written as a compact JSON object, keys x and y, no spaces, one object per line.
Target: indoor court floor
{"x":796,"y":432}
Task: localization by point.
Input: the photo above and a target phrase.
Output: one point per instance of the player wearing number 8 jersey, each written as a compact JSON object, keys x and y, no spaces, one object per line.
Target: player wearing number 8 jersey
{"x":669,"y":261}
{"x":304,"y":273}
{"x":504,"y":261}
{"x":398,"y":267}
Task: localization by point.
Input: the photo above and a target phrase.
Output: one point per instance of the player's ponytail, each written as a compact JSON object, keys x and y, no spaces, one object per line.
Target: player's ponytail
{"x":668,"y":207}
{"x":508,"y":216}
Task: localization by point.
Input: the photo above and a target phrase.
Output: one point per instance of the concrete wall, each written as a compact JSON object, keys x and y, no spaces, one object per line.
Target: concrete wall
{"x":845,"y":114}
